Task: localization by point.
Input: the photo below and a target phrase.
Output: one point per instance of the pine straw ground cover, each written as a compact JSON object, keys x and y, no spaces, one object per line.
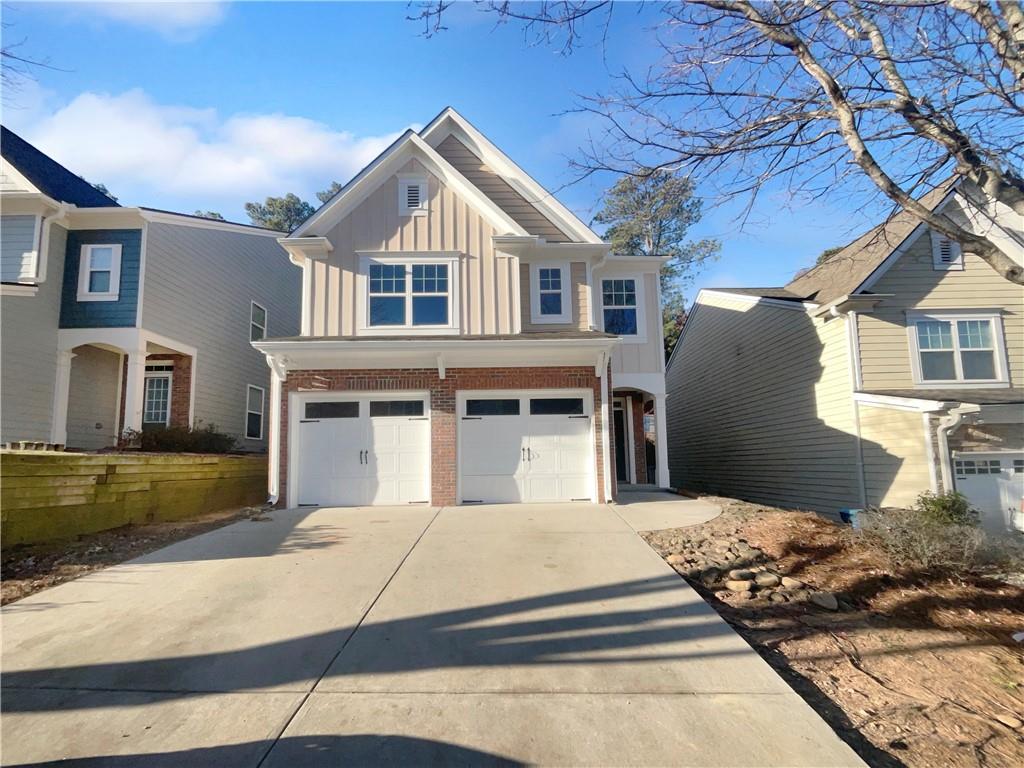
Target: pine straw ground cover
{"x":911,"y":670}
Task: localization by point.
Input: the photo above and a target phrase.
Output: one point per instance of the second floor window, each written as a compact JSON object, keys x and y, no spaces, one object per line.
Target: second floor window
{"x":99,"y":273}
{"x":257,"y":322}
{"x":409,"y":295}
{"x":958,"y":349}
{"x":618,"y":298}
{"x":550,"y":293}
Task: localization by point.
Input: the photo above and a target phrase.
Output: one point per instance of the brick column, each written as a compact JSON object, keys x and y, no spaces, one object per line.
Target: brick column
{"x":639,"y":441}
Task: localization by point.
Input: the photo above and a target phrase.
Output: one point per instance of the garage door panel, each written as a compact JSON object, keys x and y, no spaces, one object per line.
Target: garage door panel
{"x":491,"y":489}
{"x":492,"y":445}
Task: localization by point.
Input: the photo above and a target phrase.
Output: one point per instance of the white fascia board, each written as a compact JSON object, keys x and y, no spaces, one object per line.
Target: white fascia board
{"x":299,"y":249}
{"x":105,"y":218}
{"x":634,"y":263}
{"x":517,"y":178}
{"x":863,"y":302}
{"x":799,"y":306}
{"x":388,"y":163}
{"x":183,"y":219}
{"x":651,"y":383}
{"x":905,"y":403}
{"x":533,"y":248}
{"x":29,"y":203}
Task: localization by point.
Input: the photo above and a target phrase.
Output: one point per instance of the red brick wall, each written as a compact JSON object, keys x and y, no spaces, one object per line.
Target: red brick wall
{"x":181,"y":387}
{"x":443,"y":419}
{"x":639,"y":441}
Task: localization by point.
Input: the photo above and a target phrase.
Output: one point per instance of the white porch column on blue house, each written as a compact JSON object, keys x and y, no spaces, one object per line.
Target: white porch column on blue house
{"x":134,"y":390}
{"x":61,"y":390}
{"x":661,"y":441}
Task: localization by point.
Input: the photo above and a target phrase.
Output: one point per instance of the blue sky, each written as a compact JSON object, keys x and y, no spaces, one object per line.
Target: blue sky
{"x":207,"y":106}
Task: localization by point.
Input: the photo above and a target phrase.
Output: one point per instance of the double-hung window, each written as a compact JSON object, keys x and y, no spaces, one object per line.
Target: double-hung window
{"x":958,"y":348}
{"x":99,"y":272}
{"x":257,"y":322}
{"x":619,"y":303}
{"x":415,"y":294}
{"x":254,"y":399}
{"x":549,"y":299}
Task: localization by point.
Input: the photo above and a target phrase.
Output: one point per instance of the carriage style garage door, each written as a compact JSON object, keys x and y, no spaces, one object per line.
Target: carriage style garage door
{"x":354,"y":451}
{"x":526,"y":446}
{"x":994,"y":484}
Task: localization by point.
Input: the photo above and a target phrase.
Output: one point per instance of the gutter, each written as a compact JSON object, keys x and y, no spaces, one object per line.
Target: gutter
{"x":947,"y":424}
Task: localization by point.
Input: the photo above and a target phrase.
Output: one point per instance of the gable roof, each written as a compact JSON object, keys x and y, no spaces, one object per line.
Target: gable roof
{"x":48,"y":176}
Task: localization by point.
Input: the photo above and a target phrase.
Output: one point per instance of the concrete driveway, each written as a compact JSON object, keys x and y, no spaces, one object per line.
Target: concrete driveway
{"x":544,"y":634}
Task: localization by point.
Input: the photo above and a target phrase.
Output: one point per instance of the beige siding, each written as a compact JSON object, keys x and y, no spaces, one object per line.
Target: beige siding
{"x":499,"y":190}
{"x":759,"y":407}
{"x":895,"y":455}
{"x":579,"y":296}
{"x":642,"y":357}
{"x":452,"y":225}
{"x":93,"y":398}
{"x":884,"y":349}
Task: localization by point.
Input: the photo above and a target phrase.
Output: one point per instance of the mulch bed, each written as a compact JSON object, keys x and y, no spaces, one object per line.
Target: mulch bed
{"x":910,"y":669}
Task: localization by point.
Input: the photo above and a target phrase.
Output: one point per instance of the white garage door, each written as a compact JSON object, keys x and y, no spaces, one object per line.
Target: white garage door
{"x":363,"y":450}
{"x":994,"y":484}
{"x":526,"y":447}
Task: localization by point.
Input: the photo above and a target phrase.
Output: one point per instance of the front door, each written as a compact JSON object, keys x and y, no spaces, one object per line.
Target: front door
{"x":619,"y":420}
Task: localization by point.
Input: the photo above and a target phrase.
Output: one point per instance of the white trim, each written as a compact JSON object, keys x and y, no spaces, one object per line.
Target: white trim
{"x":407,"y":181}
{"x":951,"y":316}
{"x":142,"y":273}
{"x":901,"y":403}
{"x":661,"y":441}
{"x":565,"y":291}
{"x":649,"y":383}
{"x":118,"y":413}
{"x":408,"y":259}
{"x":306,"y":308}
{"x":799,"y":306}
{"x":956,"y":253}
{"x":85,"y":268}
{"x":185,"y":220}
{"x":517,"y":296}
{"x":516,"y":177}
{"x":266,"y":320}
{"x":853,"y":338}
{"x":147,"y":375}
{"x":627,"y":415}
{"x":640,"y":296}
{"x":18,"y":289}
{"x":590,"y":295}
{"x":274,"y":435}
{"x":606,"y":439}
{"x":61,"y":392}
{"x":262,"y":412}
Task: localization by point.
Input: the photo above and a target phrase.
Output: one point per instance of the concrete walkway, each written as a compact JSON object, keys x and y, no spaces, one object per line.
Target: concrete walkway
{"x":646,"y":509}
{"x":473,"y":635}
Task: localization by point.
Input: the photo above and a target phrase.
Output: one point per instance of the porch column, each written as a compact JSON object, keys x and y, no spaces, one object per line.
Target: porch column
{"x":661,"y":440}
{"x":59,"y":428}
{"x":274,"y":435}
{"x":134,"y":390}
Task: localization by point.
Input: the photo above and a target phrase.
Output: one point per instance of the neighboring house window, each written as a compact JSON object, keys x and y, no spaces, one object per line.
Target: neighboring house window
{"x":99,"y":273}
{"x":254,"y":413}
{"x":946,"y":253}
{"x":412,"y":196}
{"x":415,"y":294}
{"x":618,"y":298}
{"x":156,"y":405}
{"x":958,"y":349}
{"x":257,"y":322}
{"x":549,"y":300}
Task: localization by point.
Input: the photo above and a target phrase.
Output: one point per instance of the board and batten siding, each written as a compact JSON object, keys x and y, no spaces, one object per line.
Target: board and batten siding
{"x":485,"y":280}
{"x":28,"y":345}
{"x":122,"y":313}
{"x":647,"y":356}
{"x":579,"y":298}
{"x":521,"y":210}
{"x":895,"y":455}
{"x":93,"y":398}
{"x":199,"y":285}
{"x":915,"y":285}
{"x":18,"y":256}
{"x":759,"y":407}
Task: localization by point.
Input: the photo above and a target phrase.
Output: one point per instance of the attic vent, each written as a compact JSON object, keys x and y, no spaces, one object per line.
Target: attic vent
{"x":946,"y":253}
{"x":412,"y":196}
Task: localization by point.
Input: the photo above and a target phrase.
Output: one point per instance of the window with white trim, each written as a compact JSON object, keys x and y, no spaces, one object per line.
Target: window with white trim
{"x":958,"y":349}
{"x":257,"y":322}
{"x":99,"y":272}
{"x":419,"y":293}
{"x":156,"y":402}
{"x":412,"y":196}
{"x":946,"y":253}
{"x":619,"y":306}
{"x":550,"y":293}
{"x":255,"y":397}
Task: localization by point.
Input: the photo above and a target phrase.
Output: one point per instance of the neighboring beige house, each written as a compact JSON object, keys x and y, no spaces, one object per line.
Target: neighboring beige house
{"x":465,"y":339}
{"x":894,"y":367}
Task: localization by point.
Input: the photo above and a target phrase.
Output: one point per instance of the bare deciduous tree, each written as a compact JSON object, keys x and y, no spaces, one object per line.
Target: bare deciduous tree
{"x":812,"y":94}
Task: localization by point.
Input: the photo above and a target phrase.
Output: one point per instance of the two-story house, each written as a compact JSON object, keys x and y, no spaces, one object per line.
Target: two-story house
{"x":894,"y":367}
{"x":117,"y":318}
{"x":465,"y":338}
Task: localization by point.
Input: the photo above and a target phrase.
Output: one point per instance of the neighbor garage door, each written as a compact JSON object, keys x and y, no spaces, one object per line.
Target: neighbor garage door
{"x":994,"y":484}
{"x":518,"y":446}
{"x":354,"y":451}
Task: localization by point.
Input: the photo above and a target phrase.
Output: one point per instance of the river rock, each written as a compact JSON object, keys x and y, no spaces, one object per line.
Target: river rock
{"x":765,"y":579}
{"x":825,"y":600}
{"x":739,"y":585}
{"x":790,"y":583}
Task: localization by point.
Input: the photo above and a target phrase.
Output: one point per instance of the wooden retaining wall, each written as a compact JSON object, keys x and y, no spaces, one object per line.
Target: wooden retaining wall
{"x":54,"y":496}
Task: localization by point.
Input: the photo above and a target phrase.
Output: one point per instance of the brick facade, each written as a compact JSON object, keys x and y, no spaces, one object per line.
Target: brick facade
{"x":181,"y":386}
{"x":639,"y":439}
{"x":443,"y":416}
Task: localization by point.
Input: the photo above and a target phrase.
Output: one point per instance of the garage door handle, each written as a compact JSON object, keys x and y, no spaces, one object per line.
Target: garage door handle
{"x":579,"y":417}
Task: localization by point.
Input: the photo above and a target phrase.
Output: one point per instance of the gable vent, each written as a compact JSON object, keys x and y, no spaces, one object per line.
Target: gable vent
{"x":412,"y":196}
{"x":946,"y":253}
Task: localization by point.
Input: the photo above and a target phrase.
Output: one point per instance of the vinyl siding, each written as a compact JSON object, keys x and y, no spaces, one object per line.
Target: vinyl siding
{"x":884,"y":347}
{"x":578,"y":296}
{"x":759,"y":407}
{"x":198,"y":287}
{"x":122,"y":313}
{"x":499,"y":190}
{"x":895,"y":455}
{"x":647,"y":356}
{"x":28,"y":343}
{"x":92,"y":401}
{"x":486,"y":281}
{"x":18,"y":249}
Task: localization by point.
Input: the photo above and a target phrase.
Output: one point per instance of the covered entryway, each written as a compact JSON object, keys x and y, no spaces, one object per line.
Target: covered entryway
{"x":356,"y":450}
{"x":526,"y":446}
{"x":994,"y":485}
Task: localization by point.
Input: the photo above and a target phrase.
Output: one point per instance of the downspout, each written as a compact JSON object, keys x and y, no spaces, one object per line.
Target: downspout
{"x":855,"y":383}
{"x":946,"y":425}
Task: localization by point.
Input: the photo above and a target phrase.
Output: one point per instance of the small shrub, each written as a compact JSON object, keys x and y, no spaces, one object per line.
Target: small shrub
{"x":177,"y":440}
{"x":946,"y":508}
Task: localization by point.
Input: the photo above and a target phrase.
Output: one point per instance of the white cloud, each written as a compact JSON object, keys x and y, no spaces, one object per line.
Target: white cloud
{"x":180,"y":21}
{"x":186,"y":157}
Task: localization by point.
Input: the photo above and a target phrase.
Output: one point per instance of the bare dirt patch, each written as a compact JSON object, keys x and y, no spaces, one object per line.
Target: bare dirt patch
{"x":25,"y":570}
{"x":910,"y":669}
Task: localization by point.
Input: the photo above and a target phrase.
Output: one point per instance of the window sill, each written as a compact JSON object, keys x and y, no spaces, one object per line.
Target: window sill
{"x":98,"y":297}
{"x":549,"y":319}
{"x":18,"y":289}
{"x":408,"y":330}
{"x":417,"y":212}
{"x":962,"y":384}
